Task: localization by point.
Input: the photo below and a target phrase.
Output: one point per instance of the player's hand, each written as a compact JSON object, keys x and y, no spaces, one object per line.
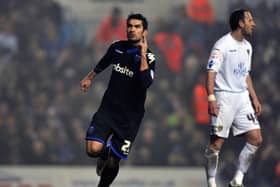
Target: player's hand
{"x":144,"y":44}
{"x":85,"y":84}
{"x":257,"y":106}
{"x":213,"y":108}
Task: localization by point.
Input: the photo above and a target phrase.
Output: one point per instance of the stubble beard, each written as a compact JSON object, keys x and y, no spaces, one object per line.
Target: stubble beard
{"x":133,"y":41}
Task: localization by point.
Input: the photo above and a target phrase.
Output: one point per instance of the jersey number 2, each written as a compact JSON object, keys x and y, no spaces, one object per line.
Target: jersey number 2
{"x":126,"y":147}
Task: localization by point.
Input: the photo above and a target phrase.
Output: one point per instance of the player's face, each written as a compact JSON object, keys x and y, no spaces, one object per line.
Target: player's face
{"x":134,"y":30}
{"x":248,"y":24}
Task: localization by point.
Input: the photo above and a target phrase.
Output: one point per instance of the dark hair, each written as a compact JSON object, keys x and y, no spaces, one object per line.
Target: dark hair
{"x":139,"y":17}
{"x":235,"y":17}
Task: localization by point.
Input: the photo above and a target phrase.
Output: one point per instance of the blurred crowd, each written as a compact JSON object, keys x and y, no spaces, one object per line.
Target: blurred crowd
{"x":44,"y":115}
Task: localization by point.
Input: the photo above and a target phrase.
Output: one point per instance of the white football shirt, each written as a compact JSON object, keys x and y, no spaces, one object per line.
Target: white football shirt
{"x":231,"y":60}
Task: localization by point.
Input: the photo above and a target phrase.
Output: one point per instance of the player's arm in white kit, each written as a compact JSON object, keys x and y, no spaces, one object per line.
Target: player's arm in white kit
{"x":213,"y":66}
{"x":212,"y":104}
{"x":254,"y":98}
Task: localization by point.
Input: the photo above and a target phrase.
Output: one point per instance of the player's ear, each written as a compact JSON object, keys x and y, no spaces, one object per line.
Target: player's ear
{"x":241,"y":23}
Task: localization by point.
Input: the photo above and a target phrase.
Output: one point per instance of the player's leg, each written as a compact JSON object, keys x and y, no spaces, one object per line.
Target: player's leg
{"x":246,"y":123}
{"x":120,"y":145}
{"x":110,"y":171}
{"x":220,"y":127}
{"x":254,"y":140}
{"x":94,"y":148}
{"x":212,"y":159}
{"x":96,"y":139}
{"x":119,"y":149}
{"x":102,"y":161}
{"x":98,"y":150}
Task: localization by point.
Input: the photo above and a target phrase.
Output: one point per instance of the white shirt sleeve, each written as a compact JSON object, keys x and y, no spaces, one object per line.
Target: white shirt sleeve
{"x":215,"y":60}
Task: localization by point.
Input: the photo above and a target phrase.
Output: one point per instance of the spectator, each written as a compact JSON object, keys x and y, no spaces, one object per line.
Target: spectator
{"x":200,"y":105}
{"x":111,"y":28}
{"x":172,"y":47}
{"x":201,"y":11}
{"x":8,"y":43}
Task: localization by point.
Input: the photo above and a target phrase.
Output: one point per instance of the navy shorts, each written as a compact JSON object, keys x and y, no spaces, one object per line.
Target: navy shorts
{"x":122,"y":132}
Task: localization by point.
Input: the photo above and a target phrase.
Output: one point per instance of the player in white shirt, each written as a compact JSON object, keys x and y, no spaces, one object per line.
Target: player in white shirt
{"x":233,"y":103}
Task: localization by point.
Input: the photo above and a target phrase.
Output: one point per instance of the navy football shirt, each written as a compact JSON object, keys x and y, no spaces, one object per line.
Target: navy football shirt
{"x":126,"y":92}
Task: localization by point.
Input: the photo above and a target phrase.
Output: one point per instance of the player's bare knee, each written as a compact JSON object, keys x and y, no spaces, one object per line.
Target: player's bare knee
{"x":216,"y":146}
{"x":93,"y":151}
{"x":255,"y":140}
{"x":93,"y":148}
{"x":259,"y":141}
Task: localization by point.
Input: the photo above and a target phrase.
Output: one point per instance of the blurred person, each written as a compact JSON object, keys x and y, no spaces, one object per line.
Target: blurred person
{"x":8,"y":43}
{"x":122,"y":108}
{"x":171,"y":46}
{"x":39,"y":152}
{"x":200,"y":14}
{"x":112,"y":28}
{"x":233,"y":103}
{"x":52,"y":42}
{"x":200,"y":11}
{"x":192,"y":68}
{"x":277,"y":173}
{"x":175,"y":155}
{"x":200,"y":104}
{"x":12,"y":133}
{"x":5,"y":152}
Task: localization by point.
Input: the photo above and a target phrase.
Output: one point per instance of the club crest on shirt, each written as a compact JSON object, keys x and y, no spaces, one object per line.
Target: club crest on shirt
{"x":216,"y":128}
{"x":90,"y":129}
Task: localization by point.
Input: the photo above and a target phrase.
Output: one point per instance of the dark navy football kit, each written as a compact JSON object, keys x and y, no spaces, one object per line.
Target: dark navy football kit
{"x":122,"y":106}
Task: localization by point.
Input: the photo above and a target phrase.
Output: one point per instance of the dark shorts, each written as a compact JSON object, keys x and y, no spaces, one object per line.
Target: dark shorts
{"x":122,"y":132}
